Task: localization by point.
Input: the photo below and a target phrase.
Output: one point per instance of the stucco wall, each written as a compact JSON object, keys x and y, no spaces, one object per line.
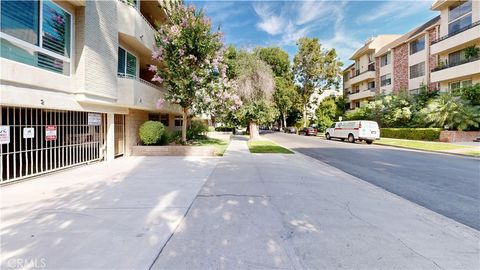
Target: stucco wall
{"x":133,"y":120}
{"x":400,"y":68}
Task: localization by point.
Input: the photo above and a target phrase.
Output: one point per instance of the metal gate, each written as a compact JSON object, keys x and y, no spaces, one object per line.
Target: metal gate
{"x":119,"y":134}
{"x":43,"y":140}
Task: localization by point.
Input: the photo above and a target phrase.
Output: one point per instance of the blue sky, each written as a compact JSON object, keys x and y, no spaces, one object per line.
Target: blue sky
{"x":343,"y":25}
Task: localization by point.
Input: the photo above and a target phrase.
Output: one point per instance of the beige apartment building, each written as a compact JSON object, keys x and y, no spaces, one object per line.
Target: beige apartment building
{"x":459,"y":33}
{"x":359,"y":78}
{"x":439,"y":54}
{"x":74,"y":84}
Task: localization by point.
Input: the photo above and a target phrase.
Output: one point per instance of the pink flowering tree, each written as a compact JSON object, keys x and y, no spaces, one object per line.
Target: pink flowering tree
{"x":190,"y":63}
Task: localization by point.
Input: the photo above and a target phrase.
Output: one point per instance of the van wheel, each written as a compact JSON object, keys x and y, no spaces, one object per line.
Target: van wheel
{"x":351,"y":139}
{"x":369,"y":142}
{"x":327,"y":136}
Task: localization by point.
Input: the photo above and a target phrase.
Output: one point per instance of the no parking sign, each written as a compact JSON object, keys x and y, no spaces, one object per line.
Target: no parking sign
{"x":50,"y":133}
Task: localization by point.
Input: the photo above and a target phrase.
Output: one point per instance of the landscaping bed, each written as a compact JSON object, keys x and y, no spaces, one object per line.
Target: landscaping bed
{"x":267,"y":147}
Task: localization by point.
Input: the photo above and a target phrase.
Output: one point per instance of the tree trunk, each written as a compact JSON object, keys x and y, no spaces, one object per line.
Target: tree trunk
{"x":281,"y":121}
{"x":285,"y":120}
{"x":254,"y":135}
{"x":305,"y":115}
{"x":184,"y":125}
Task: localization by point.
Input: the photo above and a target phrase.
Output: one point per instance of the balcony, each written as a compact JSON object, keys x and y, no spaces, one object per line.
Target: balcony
{"x":456,"y":39}
{"x":363,"y":76}
{"x":135,"y":28}
{"x":456,"y":70}
{"x":362,"y":95}
{"x":138,"y":93}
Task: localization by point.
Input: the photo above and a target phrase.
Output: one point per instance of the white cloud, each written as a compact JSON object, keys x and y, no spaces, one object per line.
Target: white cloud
{"x":309,"y":11}
{"x":269,"y":22}
{"x":394,"y":10}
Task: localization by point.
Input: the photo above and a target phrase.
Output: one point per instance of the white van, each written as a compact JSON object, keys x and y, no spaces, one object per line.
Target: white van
{"x":367,"y":131}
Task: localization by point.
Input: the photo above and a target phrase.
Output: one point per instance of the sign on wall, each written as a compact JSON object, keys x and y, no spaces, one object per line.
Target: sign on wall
{"x":4,"y":134}
{"x":94,"y":119}
{"x":28,"y":133}
{"x":50,"y":133}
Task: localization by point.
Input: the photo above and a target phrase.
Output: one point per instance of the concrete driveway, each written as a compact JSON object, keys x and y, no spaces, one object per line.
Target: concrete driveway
{"x":113,"y":215}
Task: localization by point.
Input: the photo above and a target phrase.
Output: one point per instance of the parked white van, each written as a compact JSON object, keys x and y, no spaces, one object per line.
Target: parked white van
{"x":367,"y":131}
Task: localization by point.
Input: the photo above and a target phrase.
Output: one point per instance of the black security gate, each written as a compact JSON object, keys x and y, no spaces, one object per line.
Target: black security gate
{"x":36,"y":141}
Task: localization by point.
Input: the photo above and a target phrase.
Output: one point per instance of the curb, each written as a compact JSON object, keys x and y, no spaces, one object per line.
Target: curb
{"x":428,"y":151}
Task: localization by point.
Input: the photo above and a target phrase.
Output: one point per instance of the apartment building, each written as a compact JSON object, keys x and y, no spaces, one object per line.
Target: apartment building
{"x":74,"y":84}
{"x":456,"y":48}
{"x":359,"y":79}
{"x":405,"y":63}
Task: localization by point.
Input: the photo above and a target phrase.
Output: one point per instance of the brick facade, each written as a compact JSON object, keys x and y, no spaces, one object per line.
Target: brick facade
{"x":400,"y":68}
{"x":377,"y":75}
{"x":432,"y":59}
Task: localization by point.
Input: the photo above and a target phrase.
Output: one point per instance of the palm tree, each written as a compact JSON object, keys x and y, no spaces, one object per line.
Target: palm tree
{"x":452,"y":111}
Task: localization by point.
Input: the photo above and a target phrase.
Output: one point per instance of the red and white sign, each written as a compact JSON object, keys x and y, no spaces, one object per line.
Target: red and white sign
{"x":50,"y":133}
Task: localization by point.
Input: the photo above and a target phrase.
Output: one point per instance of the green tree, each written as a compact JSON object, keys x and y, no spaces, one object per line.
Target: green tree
{"x":285,"y":95}
{"x":191,"y":56}
{"x":255,"y":86}
{"x":452,"y":111}
{"x":470,"y":93}
{"x":276,"y":58}
{"x":315,"y":69}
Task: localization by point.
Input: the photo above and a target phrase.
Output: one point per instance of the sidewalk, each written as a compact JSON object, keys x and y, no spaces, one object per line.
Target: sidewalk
{"x":114,"y":215}
{"x":289,"y":211}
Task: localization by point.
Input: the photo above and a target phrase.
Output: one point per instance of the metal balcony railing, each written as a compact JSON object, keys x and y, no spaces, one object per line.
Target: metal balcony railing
{"x":456,"y":32}
{"x":360,"y":73}
{"x":456,"y":63}
{"x":132,"y":77}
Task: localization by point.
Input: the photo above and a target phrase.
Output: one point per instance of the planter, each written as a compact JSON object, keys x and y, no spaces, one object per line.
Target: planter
{"x":172,"y":150}
{"x":458,"y":136}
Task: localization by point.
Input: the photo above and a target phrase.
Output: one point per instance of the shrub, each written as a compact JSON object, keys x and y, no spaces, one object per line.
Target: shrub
{"x":197,"y":128}
{"x":151,"y":132}
{"x":423,"y":134}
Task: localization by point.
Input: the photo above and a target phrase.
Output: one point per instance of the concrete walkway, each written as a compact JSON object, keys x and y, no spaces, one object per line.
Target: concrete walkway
{"x":114,"y":215}
{"x":275,"y":211}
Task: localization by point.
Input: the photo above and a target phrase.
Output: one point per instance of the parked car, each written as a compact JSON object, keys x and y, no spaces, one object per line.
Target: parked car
{"x":308,"y":131}
{"x":275,"y":128}
{"x":367,"y":131}
{"x":290,"y":130}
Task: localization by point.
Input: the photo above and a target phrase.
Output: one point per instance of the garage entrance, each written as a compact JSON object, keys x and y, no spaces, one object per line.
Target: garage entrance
{"x":36,"y":141}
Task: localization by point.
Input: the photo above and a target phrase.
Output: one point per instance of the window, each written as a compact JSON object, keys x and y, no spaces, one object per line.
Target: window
{"x":385,"y":59}
{"x":371,"y":85}
{"x":153,"y":117}
{"x":178,"y":121}
{"x":370,"y":58}
{"x":164,"y":118}
{"x":417,"y":45}
{"x":357,"y":104}
{"x":36,"y":33}
{"x":386,"y":80}
{"x":417,"y":70}
{"x":127,"y":63}
{"x":459,"y":84}
{"x":456,"y":58}
{"x":459,"y":16}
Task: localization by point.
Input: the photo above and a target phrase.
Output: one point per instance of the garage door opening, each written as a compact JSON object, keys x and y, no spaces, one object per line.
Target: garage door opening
{"x":36,"y":141}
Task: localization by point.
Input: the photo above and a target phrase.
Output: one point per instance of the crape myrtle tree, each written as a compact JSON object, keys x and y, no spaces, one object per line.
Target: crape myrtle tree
{"x":255,"y":86}
{"x":190,"y":64}
{"x":285,"y":94}
{"x":315,"y":69}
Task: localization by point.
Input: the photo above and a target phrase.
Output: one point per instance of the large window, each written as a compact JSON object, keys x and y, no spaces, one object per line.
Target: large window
{"x":417,"y":70}
{"x":371,"y":85}
{"x":459,"y":16}
{"x":456,"y":58}
{"x":417,"y":45}
{"x":386,"y":80}
{"x":460,"y":84}
{"x":127,"y":63}
{"x":36,"y":33}
{"x":385,"y":59}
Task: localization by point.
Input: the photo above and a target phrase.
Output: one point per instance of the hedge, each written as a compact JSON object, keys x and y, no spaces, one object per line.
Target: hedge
{"x":225,"y":129}
{"x":151,"y":132}
{"x":423,"y":134}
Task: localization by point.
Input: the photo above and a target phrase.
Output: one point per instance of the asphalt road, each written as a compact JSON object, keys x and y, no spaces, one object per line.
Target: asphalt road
{"x":446,"y":184}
